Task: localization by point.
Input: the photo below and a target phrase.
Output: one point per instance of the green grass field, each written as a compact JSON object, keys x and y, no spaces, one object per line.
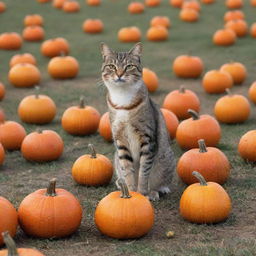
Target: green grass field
{"x":18,"y":178}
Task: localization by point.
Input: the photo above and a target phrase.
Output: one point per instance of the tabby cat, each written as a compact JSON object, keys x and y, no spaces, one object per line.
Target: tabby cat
{"x":143,"y":155}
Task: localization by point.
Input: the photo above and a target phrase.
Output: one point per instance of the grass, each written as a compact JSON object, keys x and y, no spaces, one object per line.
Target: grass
{"x":18,"y":177}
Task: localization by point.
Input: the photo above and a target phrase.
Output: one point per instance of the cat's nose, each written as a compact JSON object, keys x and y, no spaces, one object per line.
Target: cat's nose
{"x":119,"y":72}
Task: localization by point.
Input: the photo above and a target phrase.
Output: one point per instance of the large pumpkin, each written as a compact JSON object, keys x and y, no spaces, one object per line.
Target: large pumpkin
{"x":10,"y":41}
{"x":247,"y":146}
{"x":209,"y":161}
{"x":180,"y":101}
{"x":105,"y":127}
{"x":54,"y":47}
{"x":224,"y":37}
{"x":22,"y":58}
{"x":33,"y":33}
{"x":93,"y":26}
{"x":129,"y":34}
{"x":157,"y":33}
{"x":80,"y":120}
{"x":8,"y":218}
{"x":11,"y":135}
{"x":124,"y":214}
{"x":42,"y":146}
{"x":150,"y":79}
{"x":92,"y":170}
{"x":171,"y":122}
{"x":205,"y":202}
{"x":50,"y":213}
{"x":198,"y":127}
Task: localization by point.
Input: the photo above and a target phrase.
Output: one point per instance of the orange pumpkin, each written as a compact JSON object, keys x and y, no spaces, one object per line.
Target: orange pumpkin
{"x":93,"y":2}
{"x":198,"y":127}
{"x":150,"y":79}
{"x":33,"y":33}
{"x":234,"y":4}
{"x":105,"y":127}
{"x":58,"y":3}
{"x":208,"y":1}
{"x":131,"y":215}
{"x":2,"y":116}
{"x":191,"y":4}
{"x":176,"y":3}
{"x":54,"y":47}
{"x":253,"y":3}
{"x":188,"y":15}
{"x":152,"y":3}
{"x":42,"y":146}
{"x":22,"y":58}
{"x":24,"y":75}
{"x":8,"y":218}
{"x":2,"y":91}
{"x":233,"y":15}
{"x":239,"y":26}
{"x":247,"y":146}
{"x":171,"y":122}
{"x":44,"y":214}
{"x":224,"y":37}
{"x":11,"y":135}
{"x":63,"y":67}
{"x":136,"y":7}
{"x":2,"y":7}
{"x":217,"y":81}
{"x":71,"y":6}
{"x":205,"y":202}
{"x":209,"y":161}
{"x":129,"y":34}
{"x":37,"y":109}
{"x":33,"y":20}
{"x":252,"y":92}
{"x":2,"y":155}
{"x":180,"y":101}
{"x":232,"y":108}
{"x":10,"y":41}
{"x":12,"y":249}
{"x":80,"y":120}
{"x":187,"y":66}
{"x":93,"y":26}
{"x":237,"y":70}
{"x":253,"y":30}
{"x":160,"y":21}
{"x":157,"y":33}
{"x":92,"y":170}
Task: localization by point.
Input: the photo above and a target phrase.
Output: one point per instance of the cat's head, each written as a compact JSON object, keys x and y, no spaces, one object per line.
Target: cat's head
{"x":121,"y":68}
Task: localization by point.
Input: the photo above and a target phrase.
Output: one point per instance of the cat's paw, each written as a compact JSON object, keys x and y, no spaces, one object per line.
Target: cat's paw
{"x":153,"y":196}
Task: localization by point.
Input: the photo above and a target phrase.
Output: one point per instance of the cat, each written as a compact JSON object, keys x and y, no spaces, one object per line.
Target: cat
{"x":143,"y":157}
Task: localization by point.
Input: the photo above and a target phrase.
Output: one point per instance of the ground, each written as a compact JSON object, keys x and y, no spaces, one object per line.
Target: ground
{"x":18,"y":178}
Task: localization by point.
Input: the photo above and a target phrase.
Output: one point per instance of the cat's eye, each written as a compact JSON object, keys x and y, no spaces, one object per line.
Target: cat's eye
{"x":113,"y":67}
{"x":130,"y":66}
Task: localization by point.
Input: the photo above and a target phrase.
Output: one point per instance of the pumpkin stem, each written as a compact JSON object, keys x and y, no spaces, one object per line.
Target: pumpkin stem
{"x":10,"y":244}
{"x":194,"y":114}
{"x":202,"y":146}
{"x":200,"y":178}
{"x":37,"y":90}
{"x":124,"y":189}
{"x":51,"y":188}
{"x":228,"y":92}
{"x":82,"y":102}
{"x":182,"y":89}
{"x":92,"y":148}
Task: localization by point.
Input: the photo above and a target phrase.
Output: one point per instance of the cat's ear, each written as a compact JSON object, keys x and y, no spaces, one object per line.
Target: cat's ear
{"x":136,"y":50}
{"x":105,"y":50}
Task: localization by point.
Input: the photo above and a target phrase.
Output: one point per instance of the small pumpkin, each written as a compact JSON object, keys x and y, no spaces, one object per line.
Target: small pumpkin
{"x":198,"y":127}
{"x":63,"y":67}
{"x":205,"y":202}
{"x":33,"y":20}
{"x":11,"y":135}
{"x":22,"y":58}
{"x":54,"y":47}
{"x":129,"y":34}
{"x":160,"y":21}
{"x":80,"y":120}
{"x":237,"y":70}
{"x":253,"y":30}
{"x":188,"y":15}
{"x":150,"y":79}
{"x":24,"y":75}
{"x":105,"y":127}
{"x":187,"y":66}
{"x":209,"y":161}
{"x":58,"y":3}
{"x":176,"y":3}
{"x":171,"y":122}
{"x":124,"y":215}
{"x":93,"y":2}
{"x":247,"y":146}
{"x":2,"y":91}
{"x":217,"y":81}
{"x":93,"y":26}
{"x":152,"y":3}
{"x":157,"y":33}
{"x":234,"y":4}
{"x":234,"y":15}
{"x":8,"y":218}
{"x":252,"y":92}
{"x":136,"y":8}
{"x":71,"y":6}
{"x":92,"y":170}
{"x":239,"y":26}
{"x":10,"y":41}
{"x":224,"y":37}
{"x":180,"y":101}
{"x":44,"y":214}
{"x":191,"y":4}
{"x":42,"y":146}
{"x":33,"y":33}
{"x":2,"y":154}
{"x":2,"y":7}
{"x":37,"y":109}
